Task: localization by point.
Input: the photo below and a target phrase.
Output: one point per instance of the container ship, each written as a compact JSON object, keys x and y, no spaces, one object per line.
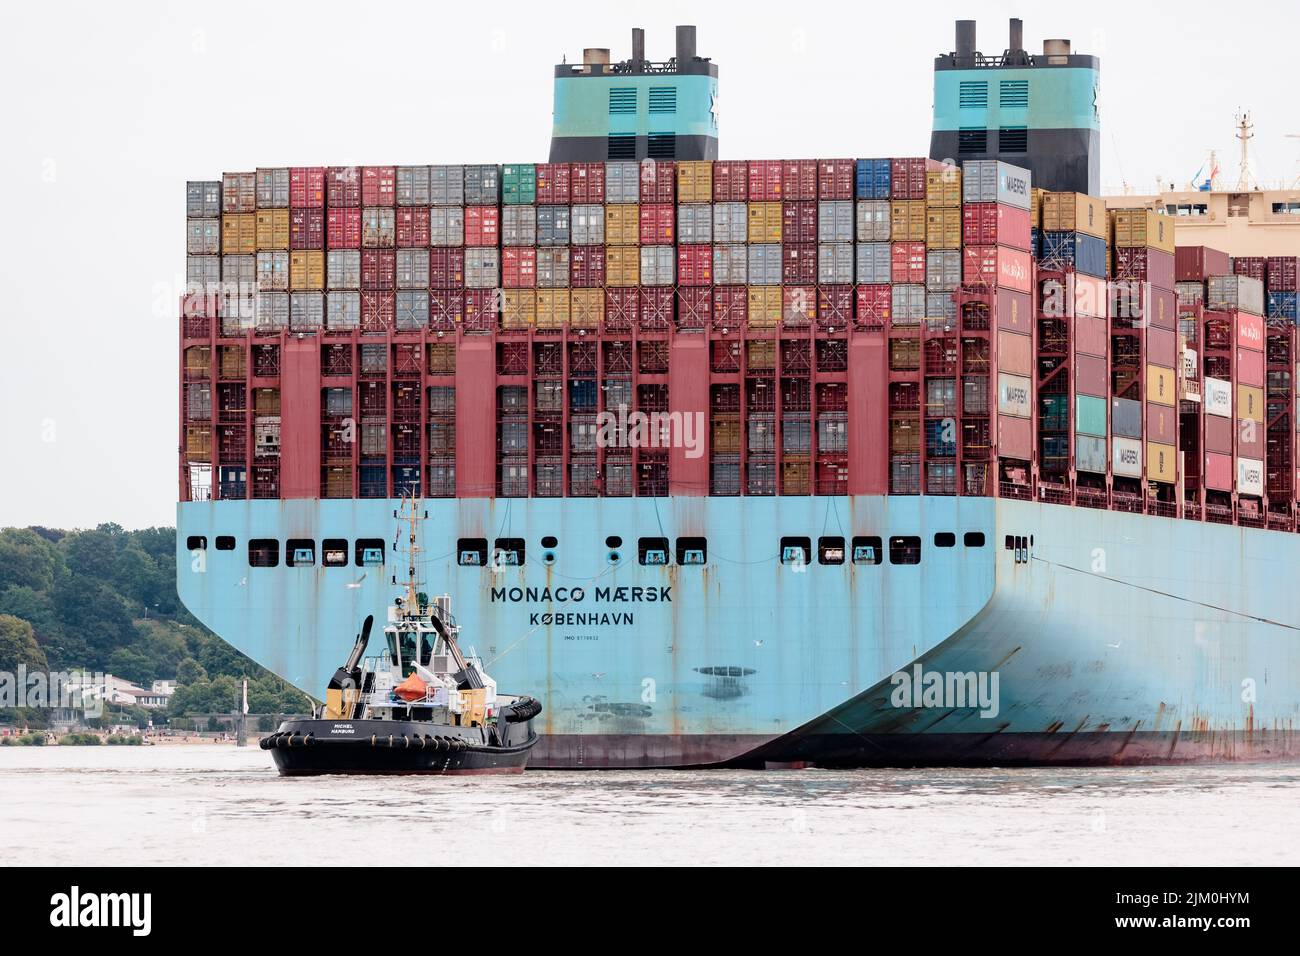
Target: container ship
{"x":838,"y":462}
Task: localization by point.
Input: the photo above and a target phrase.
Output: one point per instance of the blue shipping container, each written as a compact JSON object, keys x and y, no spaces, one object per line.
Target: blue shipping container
{"x":1282,"y":305}
{"x":1087,"y":254}
{"x":940,"y":438}
{"x":873,"y":177}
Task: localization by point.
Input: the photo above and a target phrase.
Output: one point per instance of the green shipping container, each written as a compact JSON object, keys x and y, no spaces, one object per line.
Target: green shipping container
{"x":1090,"y":415}
{"x":519,"y":184}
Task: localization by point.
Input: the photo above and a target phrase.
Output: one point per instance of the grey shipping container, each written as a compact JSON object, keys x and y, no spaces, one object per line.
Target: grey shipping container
{"x":1190,"y":293}
{"x":378,"y":227}
{"x":1241,"y":293}
{"x":338,"y":402}
{"x":198,"y":401}
{"x":1126,"y":418}
{"x":942,"y":270}
{"x":447,"y":226}
{"x":203,"y":237}
{"x":835,"y":221}
{"x":239,"y":271}
{"x":273,"y":271}
{"x":482,"y":185}
{"x":552,"y":225}
{"x":203,"y":270}
{"x":908,"y":303}
{"x":202,"y":198}
{"x":873,"y":220}
{"x":343,"y":310}
{"x":730,"y":264}
{"x":412,"y":310}
{"x":342,"y":269}
{"x":412,"y":185}
{"x":730,"y":222}
{"x":588,"y":224}
{"x":796,"y":435}
{"x":306,"y":311}
{"x":695,"y":222}
{"x":447,"y":185}
{"x":622,"y":182}
{"x":1090,"y":454}
{"x":273,"y":188}
{"x":990,"y":180}
{"x":940,"y":305}
{"x":762,"y":435}
{"x":413,"y":268}
{"x":764,"y":264}
{"x":873,"y":262}
{"x":519,"y":226}
{"x":272,"y":311}
{"x":659,"y":263}
{"x":482,"y":268}
{"x":835,"y":262}
{"x":553,"y":267}
{"x":832,"y":432}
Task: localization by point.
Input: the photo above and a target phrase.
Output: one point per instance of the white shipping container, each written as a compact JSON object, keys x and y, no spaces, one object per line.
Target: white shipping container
{"x":482,"y":268}
{"x":412,"y":185}
{"x":378,"y":227}
{"x":990,"y":180}
{"x":622,"y":182}
{"x":342,"y":268}
{"x":271,"y":311}
{"x":238,"y":271}
{"x":447,"y":185}
{"x":343,"y":310}
{"x":730,"y":222}
{"x":1250,"y":476}
{"x":908,"y":304}
{"x":835,"y":263}
{"x":203,"y":270}
{"x":203,"y":237}
{"x":411,"y":311}
{"x":412,"y":268}
{"x":874,"y":262}
{"x":1218,"y":397}
{"x":1013,"y":395}
{"x":519,"y":226}
{"x":1235,"y":292}
{"x":1126,"y":457}
{"x":659,"y":263}
{"x":306,"y":311}
{"x":273,"y":271}
{"x":446,"y":226}
{"x":730,"y":264}
{"x":873,"y":220}
{"x":764,"y":263}
{"x":695,"y":222}
{"x":482,"y":185}
{"x":588,"y":224}
{"x":835,"y":221}
{"x":942,"y":270}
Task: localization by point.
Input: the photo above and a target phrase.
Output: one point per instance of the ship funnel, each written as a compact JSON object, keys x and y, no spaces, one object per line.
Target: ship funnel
{"x":1056,"y":51}
{"x":594,"y":56}
{"x":638,"y":49}
{"x":685,"y":45}
{"x":1016,"y":42}
{"x":965,"y":40}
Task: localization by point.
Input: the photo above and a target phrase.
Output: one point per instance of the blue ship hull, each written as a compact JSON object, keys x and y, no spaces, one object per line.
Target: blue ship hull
{"x":1113,"y":638}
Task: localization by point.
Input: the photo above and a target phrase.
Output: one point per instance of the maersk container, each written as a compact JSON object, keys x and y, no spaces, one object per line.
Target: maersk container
{"x":588,"y":224}
{"x":203,"y":199}
{"x":343,"y":268}
{"x":942,"y":270}
{"x":874,"y":262}
{"x":764,"y":264}
{"x":658,"y":264}
{"x":872,"y":178}
{"x":1240,"y":293}
{"x":1250,"y":477}
{"x":1217,"y":397}
{"x":519,"y":184}
{"x":482,"y":185}
{"x":1126,"y":457}
{"x":835,"y":221}
{"x":413,"y":186}
{"x":447,"y":185}
{"x":482,"y":267}
{"x":519,"y":226}
{"x":731,"y":264}
{"x":1090,"y":455}
{"x":835,"y":263}
{"x":622,"y":182}
{"x":990,"y":180}
{"x":1087,"y":254}
{"x":273,"y":188}
{"x":695,"y":223}
{"x":873,"y":220}
{"x":907,"y":303}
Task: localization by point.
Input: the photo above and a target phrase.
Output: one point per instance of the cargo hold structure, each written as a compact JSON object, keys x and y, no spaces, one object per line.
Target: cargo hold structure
{"x":714,"y":450}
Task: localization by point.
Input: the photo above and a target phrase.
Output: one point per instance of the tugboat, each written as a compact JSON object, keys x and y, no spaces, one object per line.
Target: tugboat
{"x":421,"y":706}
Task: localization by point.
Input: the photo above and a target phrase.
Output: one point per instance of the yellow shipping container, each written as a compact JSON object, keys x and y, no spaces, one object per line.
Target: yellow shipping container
{"x":553,"y":308}
{"x":623,"y":224}
{"x":943,"y":228}
{"x":588,"y":308}
{"x":622,"y":265}
{"x":765,"y":222}
{"x":198,"y":442}
{"x":907,"y":220}
{"x":1074,"y":212}
{"x":306,"y":270}
{"x":1162,"y":462}
{"x":764,"y":306}
{"x":1160,"y":385}
{"x":518,"y":308}
{"x":695,"y":181}
{"x":238,"y":234}
{"x":1143,"y":227}
{"x":1036,"y":207}
{"x":1250,"y":403}
{"x":943,"y":188}
{"x":272,"y":229}
{"x":761,"y":354}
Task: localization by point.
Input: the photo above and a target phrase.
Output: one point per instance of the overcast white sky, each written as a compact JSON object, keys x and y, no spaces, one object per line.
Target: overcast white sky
{"x":108,"y":109}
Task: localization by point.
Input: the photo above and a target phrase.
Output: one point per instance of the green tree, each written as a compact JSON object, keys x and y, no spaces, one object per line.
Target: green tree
{"x":18,"y":646}
{"x":27,"y":560}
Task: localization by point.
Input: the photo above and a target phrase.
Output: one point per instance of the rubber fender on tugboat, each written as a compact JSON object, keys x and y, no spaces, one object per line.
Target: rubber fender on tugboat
{"x":266,"y":743}
{"x":308,"y":740}
{"x":522,"y":710}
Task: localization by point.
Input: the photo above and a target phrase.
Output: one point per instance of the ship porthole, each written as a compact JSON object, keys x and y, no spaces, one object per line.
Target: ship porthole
{"x":615,"y":557}
{"x":548,"y":557}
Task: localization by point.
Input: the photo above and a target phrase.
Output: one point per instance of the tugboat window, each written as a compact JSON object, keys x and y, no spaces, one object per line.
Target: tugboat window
{"x":549,"y":541}
{"x":225,"y":542}
{"x":471,"y":552}
{"x":652,"y":550}
{"x":830,"y":550}
{"x":613,"y":541}
{"x":196,"y":542}
{"x":867,"y":550}
{"x":797,"y":551}
{"x":369,"y":552}
{"x":300,"y":552}
{"x":945,"y":539}
{"x":905,"y":549}
{"x":264,"y":552}
{"x":334,"y":552}
{"x":508,"y":552}
{"x":973,"y":539}
{"x":692,"y":551}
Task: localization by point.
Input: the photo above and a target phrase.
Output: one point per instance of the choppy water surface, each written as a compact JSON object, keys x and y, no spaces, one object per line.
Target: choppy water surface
{"x":222,"y":805}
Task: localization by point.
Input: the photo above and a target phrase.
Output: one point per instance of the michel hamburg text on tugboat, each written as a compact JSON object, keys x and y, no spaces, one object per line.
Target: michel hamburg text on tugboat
{"x":421,"y":706}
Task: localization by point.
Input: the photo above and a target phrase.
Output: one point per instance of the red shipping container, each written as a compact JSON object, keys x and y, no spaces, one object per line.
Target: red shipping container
{"x":907,"y":262}
{"x":447,"y":268}
{"x":342,"y":186}
{"x":1282,"y":272}
{"x":378,"y":269}
{"x":835,"y":179}
{"x":1091,"y":375}
{"x":1254,"y":266}
{"x":996,"y":266}
{"x":343,"y":228}
{"x":1250,"y":439}
{"x":1162,"y":345}
{"x":1250,"y":331}
{"x":482,"y":225}
{"x":1149,"y":265}
{"x":553,"y":184}
{"x":622,"y":309}
{"x":587,"y":182}
{"x":1198,"y":263}
{"x":1218,"y":434}
{"x":587,"y":267}
{"x":1015,"y":311}
{"x":446,"y":308}
{"x":907,"y":178}
{"x":378,"y":310}
{"x":412,"y":226}
{"x":481,"y":309}
{"x":658,"y":181}
{"x":1015,"y":437}
{"x":694,"y":308}
{"x":1163,"y":308}
{"x":656,"y":308}
{"x":730,"y":306}
{"x":1250,"y":368}
{"x":378,"y":185}
{"x":993,"y":224}
{"x":730,"y":180}
{"x":694,"y":265}
{"x":307,"y":187}
{"x":799,"y":180}
{"x":875,"y":305}
{"x":799,"y":221}
{"x":1090,"y":296}
{"x":1218,"y":471}
{"x":799,"y":263}
{"x":658,"y":221}
{"x":306,"y":229}
{"x":834,"y":306}
{"x":519,"y":267}
{"x":1091,"y":335}
{"x":1162,"y":424}
{"x":764,"y":180}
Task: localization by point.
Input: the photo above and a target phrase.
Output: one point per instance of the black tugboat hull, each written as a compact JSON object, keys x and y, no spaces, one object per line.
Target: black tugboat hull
{"x":313,"y":747}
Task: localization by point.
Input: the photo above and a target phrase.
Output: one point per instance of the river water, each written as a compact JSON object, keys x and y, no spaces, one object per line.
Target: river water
{"x":204,"y":804}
